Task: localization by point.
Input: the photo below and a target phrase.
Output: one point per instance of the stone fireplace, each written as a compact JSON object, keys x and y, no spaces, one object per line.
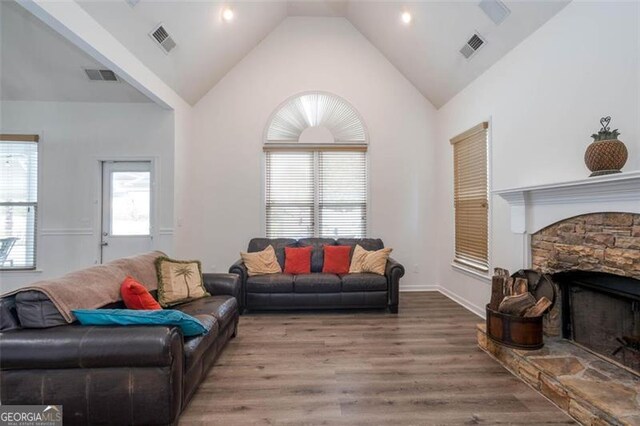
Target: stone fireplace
{"x":595,"y":261}
{"x":586,"y":234}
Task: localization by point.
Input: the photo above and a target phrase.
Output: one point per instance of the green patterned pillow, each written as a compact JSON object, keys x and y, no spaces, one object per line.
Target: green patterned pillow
{"x":179,"y":281}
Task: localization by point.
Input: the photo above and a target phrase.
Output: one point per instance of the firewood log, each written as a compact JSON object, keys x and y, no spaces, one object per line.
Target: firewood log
{"x":508,"y":286}
{"x":501,"y":272}
{"x":497,"y":291}
{"x":539,"y":308}
{"x":517,"y":304}
{"x":521,"y":285}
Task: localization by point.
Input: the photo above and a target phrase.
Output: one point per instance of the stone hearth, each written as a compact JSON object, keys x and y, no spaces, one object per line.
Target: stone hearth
{"x":588,"y":388}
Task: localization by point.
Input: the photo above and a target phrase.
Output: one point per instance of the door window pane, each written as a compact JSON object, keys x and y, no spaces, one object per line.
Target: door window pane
{"x":130,"y":203}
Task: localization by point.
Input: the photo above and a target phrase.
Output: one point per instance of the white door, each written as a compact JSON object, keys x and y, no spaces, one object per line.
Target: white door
{"x":127,"y":219}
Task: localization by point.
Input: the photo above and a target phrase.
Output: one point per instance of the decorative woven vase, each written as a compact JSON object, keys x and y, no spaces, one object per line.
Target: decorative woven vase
{"x":606,"y":157}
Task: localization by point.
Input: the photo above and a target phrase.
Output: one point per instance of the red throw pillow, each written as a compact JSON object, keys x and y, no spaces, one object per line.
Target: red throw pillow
{"x":336,"y":259}
{"x":297,"y":260}
{"x":136,"y":296}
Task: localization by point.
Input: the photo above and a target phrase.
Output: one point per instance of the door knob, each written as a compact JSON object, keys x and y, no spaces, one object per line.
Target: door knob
{"x":104,"y":244}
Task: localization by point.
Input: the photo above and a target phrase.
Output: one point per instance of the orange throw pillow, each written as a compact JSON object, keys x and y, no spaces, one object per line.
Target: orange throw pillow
{"x":136,"y":296}
{"x":297,"y":260}
{"x":336,"y":260}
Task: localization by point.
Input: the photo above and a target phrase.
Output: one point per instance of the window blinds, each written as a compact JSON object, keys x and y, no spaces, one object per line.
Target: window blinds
{"x":471,"y":198}
{"x":316,"y":193}
{"x":290,"y":194}
{"x":18,"y":200}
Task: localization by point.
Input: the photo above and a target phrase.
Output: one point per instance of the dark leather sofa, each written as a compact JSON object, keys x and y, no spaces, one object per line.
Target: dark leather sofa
{"x":318,"y":290}
{"x":135,"y":375}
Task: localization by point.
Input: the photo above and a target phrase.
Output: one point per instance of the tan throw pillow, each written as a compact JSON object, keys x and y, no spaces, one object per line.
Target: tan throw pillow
{"x":179,"y":281}
{"x":261,"y":262}
{"x":374,"y":261}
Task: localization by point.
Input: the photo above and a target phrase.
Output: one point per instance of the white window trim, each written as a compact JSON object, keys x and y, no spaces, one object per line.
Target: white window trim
{"x":38,"y":217}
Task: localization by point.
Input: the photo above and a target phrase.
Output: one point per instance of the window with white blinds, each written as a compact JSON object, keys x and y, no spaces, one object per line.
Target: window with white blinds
{"x":471,"y":198}
{"x":320,"y":193}
{"x":18,"y":201}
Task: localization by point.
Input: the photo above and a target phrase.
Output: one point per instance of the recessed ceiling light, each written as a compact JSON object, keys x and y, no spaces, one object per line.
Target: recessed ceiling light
{"x":406,"y":17}
{"x":227,"y":14}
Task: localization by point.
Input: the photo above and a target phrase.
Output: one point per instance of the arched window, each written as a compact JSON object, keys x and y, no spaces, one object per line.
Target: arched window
{"x":316,"y":169}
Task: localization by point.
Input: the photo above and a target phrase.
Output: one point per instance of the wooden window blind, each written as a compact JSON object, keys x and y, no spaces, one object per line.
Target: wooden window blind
{"x":316,"y":192}
{"x":18,"y":201}
{"x":471,"y":202}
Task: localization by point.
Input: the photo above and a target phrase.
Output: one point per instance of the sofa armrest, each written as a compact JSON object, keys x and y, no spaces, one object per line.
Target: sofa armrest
{"x":240,"y":269}
{"x":77,"y":346}
{"x":394,"y":271}
{"x":222,"y":284}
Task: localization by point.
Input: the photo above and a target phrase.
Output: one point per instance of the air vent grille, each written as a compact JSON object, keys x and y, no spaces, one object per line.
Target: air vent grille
{"x":472,"y":45}
{"x":101,"y":74}
{"x":161,"y":36}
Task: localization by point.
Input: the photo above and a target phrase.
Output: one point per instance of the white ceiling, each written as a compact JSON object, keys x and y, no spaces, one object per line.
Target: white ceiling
{"x":37,"y":64}
{"x":426,"y":51}
{"x":207,"y":47}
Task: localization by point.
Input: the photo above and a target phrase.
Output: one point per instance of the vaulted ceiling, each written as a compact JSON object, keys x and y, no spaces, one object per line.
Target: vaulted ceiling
{"x":38,"y":64}
{"x":426,"y":51}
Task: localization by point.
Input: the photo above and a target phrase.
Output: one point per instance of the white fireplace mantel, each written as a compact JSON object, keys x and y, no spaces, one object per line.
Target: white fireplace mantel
{"x":536,"y":207}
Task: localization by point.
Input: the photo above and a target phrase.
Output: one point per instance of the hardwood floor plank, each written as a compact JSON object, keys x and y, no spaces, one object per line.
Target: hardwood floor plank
{"x":419,"y":367}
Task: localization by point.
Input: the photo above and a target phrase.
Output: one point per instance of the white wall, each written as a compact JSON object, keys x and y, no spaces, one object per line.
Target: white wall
{"x":544,"y":100}
{"x":222,"y":208}
{"x":74,"y":137}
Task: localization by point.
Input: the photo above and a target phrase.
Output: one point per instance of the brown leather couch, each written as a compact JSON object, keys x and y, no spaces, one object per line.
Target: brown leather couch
{"x":135,"y":375}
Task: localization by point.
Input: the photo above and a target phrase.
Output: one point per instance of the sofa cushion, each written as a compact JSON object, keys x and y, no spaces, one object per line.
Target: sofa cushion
{"x":261,"y":262}
{"x":8,"y":314}
{"x":336,"y":260}
{"x":317,"y":253}
{"x":136,"y":296}
{"x":196,"y":346}
{"x":363,"y":282}
{"x":374,"y":261}
{"x":179,"y":281}
{"x":222,"y":307}
{"x":274,"y":283}
{"x":36,"y":310}
{"x":317,"y":283}
{"x":259,"y":244}
{"x":297,"y":260}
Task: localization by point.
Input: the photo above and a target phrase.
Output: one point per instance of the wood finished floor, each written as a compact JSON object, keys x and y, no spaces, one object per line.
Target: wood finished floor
{"x":420,"y":367}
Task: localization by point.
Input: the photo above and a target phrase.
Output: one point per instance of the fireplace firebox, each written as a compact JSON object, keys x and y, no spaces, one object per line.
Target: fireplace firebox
{"x":601,"y":312}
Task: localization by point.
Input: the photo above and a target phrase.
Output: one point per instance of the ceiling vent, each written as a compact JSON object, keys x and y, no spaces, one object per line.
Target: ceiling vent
{"x":101,"y":75}
{"x":162,"y":38}
{"x":472,"y":45}
{"x":495,"y":10}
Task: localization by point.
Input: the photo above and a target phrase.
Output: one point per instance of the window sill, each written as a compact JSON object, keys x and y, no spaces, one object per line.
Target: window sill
{"x":20,"y":271}
{"x":471,"y":272}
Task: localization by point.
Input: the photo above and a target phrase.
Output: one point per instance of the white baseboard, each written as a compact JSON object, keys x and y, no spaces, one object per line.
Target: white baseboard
{"x":418,"y":287}
{"x":478,"y":310}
